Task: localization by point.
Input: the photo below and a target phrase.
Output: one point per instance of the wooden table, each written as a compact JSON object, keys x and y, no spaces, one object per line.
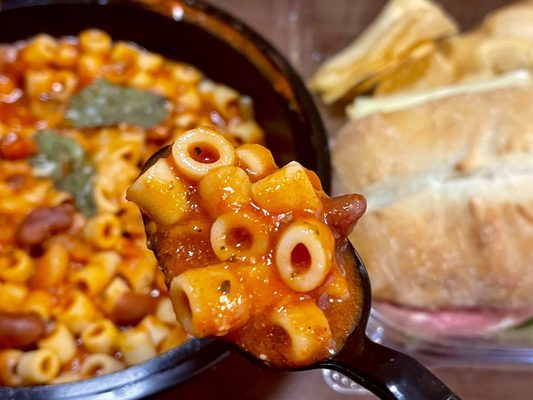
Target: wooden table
{"x":307,"y":31}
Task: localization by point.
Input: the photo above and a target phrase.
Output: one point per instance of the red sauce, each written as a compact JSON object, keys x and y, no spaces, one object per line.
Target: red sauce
{"x":187,"y":245}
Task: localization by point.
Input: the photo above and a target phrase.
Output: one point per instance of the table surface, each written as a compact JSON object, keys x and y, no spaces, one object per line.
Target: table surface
{"x":306,"y":32}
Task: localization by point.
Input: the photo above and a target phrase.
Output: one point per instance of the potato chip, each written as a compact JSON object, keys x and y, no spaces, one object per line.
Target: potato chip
{"x":393,"y":38}
{"x":430,"y":71}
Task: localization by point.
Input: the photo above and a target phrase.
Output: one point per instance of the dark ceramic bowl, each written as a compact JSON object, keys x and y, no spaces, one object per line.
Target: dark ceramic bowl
{"x":226,"y":51}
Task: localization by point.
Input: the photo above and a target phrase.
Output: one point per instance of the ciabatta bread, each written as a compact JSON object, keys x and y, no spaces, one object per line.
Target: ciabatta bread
{"x":449,"y":186}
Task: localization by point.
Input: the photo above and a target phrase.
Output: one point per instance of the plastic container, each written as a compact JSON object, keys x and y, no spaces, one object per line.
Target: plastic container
{"x":315,"y":30}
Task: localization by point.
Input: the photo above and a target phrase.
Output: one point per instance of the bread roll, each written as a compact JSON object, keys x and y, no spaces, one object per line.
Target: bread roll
{"x":449,"y":186}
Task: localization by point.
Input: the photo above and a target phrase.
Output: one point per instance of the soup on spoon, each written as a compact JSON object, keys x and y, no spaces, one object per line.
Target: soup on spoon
{"x":251,"y":252}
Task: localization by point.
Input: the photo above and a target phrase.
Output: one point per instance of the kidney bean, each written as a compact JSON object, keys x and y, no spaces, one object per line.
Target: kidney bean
{"x":20,"y":330}
{"x":343,"y":212}
{"x":132,"y":307}
{"x":43,"y":222}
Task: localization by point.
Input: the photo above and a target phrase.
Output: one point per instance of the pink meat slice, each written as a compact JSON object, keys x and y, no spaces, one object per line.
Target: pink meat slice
{"x":453,"y":322}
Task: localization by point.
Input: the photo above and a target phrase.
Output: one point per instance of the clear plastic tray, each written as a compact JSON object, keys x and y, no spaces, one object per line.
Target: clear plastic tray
{"x":308,"y":32}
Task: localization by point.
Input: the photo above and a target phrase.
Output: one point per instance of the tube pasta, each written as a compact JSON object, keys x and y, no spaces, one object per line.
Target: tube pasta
{"x":307,"y":328}
{"x":157,"y":330}
{"x":175,"y":337}
{"x":224,"y":188}
{"x":200,"y":150}
{"x":16,"y":267}
{"x":159,"y":186}
{"x":110,"y":260}
{"x":239,"y":236}
{"x":67,"y":55}
{"x":185,"y":74}
{"x":190,"y":100}
{"x":104,"y":231}
{"x":90,"y":67}
{"x":246,"y":132}
{"x":77,"y":313}
{"x":225,"y":98}
{"x":95,"y":41}
{"x":136,"y":346}
{"x":165,"y":312}
{"x":112,"y":294}
{"x":91,"y":279}
{"x":304,"y":254}
{"x":210,"y":300}
{"x":51,"y":268}
{"x":38,"y":366}
{"x":255,"y":160}
{"x":40,"y":51}
{"x":139,"y":272}
{"x":61,"y":341}
{"x":9,"y":360}
{"x":287,"y":189}
{"x":40,"y":302}
{"x":12,"y":296}
{"x":100,"y":364}
{"x":100,"y":336}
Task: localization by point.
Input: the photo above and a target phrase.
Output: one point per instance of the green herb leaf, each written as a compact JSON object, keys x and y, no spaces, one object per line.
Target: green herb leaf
{"x":65,"y":161}
{"x":106,"y":104}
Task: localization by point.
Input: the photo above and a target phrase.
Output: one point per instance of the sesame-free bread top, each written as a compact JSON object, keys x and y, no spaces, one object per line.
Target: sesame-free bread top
{"x":449,"y":186}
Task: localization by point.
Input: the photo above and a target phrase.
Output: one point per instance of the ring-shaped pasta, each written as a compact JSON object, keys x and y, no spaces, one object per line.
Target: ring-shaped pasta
{"x":210,"y":300}
{"x":100,"y":364}
{"x":9,"y":360}
{"x":200,"y":150}
{"x":100,"y":336}
{"x":16,"y":267}
{"x":304,"y":254}
{"x":255,"y":160}
{"x":38,"y":366}
{"x":239,"y":236}
{"x":136,"y":346}
{"x":104,"y":231}
{"x":307,"y":329}
{"x":61,"y":341}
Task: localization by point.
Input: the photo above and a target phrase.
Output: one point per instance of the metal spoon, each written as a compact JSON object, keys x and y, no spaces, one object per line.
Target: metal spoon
{"x":389,"y":374}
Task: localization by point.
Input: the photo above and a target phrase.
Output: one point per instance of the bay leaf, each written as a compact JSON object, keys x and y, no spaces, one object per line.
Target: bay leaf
{"x":66,"y":162}
{"x":105,"y":104}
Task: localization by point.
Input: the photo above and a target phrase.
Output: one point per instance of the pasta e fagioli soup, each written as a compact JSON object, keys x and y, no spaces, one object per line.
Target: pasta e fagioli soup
{"x":252,"y":253}
{"x":80,"y":294}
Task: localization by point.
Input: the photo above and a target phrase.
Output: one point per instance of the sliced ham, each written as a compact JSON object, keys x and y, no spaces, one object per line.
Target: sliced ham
{"x":469,"y":322}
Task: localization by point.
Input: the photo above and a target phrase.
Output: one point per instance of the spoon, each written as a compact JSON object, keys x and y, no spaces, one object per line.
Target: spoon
{"x":389,"y":374}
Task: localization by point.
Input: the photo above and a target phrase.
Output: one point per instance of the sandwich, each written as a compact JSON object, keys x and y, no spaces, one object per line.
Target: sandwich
{"x":448,"y":177}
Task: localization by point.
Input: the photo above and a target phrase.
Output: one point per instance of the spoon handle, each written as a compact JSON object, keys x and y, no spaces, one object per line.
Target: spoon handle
{"x":389,"y":374}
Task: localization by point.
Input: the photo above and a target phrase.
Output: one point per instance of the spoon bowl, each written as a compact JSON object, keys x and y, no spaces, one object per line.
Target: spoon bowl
{"x":386,"y":372}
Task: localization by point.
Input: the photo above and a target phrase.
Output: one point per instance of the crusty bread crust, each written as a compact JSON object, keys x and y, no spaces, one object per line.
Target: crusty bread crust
{"x":449,"y":186}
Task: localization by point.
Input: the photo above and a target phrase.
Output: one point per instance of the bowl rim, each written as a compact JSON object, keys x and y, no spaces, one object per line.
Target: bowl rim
{"x":195,"y":355}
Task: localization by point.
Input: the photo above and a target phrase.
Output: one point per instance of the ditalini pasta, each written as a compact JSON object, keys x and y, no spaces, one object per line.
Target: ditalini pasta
{"x":80,"y":294}
{"x":251,"y":252}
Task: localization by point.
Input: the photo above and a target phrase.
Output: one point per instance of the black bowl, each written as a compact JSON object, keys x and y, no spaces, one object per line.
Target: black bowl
{"x":227,"y":51}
